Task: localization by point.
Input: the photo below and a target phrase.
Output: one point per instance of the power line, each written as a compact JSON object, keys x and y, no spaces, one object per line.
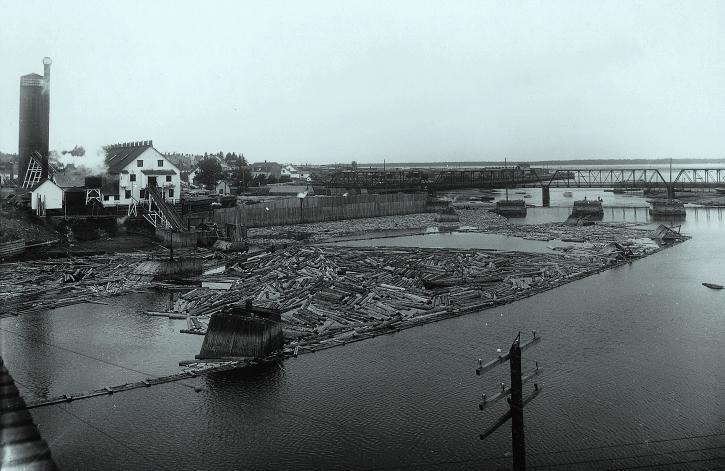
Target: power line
{"x":701,"y":460}
{"x":535,"y":466}
{"x":631,"y":457}
{"x":107,"y":435}
{"x":621,"y":445}
{"x":111,"y":437}
{"x":30,"y":339}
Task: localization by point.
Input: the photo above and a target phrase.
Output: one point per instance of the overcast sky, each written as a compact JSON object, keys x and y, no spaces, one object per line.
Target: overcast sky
{"x":308,"y":81}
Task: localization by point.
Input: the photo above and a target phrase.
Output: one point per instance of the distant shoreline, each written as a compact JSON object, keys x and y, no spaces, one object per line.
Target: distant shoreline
{"x":541,"y":163}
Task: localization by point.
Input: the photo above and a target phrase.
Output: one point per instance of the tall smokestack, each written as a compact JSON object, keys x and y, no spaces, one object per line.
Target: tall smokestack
{"x":46,"y":117}
{"x":34,"y":119}
{"x":46,"y":69}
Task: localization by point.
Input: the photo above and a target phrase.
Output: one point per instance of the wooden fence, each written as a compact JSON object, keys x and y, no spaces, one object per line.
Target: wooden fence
{"x":321,"y":208}
{"x":179,"y":239}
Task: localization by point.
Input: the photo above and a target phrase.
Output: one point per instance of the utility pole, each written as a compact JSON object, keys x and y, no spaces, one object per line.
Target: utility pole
{"x":516,"y":400}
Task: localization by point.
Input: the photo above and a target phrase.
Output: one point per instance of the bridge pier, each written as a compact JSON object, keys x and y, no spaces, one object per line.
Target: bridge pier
{"x":545,"y":196}
{"x":670,"y":191}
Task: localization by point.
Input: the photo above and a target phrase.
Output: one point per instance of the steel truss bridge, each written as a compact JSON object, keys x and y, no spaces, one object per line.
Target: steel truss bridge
{"x":511,"y":177}
{"x":637,"y":178}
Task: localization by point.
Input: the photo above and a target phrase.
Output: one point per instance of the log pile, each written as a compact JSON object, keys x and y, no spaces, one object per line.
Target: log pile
{"x":332,"y":294}
{"x":39,"y":285}
{"x":599,"y":233}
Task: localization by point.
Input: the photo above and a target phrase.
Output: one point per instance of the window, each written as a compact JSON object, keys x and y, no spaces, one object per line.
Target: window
{"x":168,"y":177}
{"x":161,"y":163}
{"x":171,"y":192}
{"x":128,"y":194}
{"x":105,"y":197}
{"x":116,"y":197}
{"x":133,"y":177}
{"x":139,"y":163}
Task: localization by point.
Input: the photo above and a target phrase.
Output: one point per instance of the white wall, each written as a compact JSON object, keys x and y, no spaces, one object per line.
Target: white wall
{"x":50,"y":193}
{"x":150,"y":162}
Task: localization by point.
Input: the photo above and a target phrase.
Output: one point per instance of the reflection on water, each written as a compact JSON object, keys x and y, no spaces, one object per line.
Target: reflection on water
{"x":631,"y":355}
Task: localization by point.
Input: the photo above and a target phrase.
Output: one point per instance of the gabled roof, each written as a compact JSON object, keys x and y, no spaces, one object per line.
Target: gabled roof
{"x":69,"y":180}
{"x":118,"y":156}
{"x":265,"y":166}
{"x":37,"y":185}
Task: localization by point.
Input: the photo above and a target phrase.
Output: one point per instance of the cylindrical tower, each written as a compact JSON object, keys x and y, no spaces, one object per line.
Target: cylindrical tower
{"x":34,"y":119}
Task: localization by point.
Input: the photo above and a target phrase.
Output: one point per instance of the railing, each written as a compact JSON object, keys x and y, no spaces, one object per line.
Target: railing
{"x":164,"y":215}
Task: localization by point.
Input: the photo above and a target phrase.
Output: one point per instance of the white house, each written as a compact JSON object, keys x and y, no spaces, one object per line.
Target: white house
{"x":46,"y":195}
{"x":268,"y":169}
{"x":136,"y":166}
{"x":223,"y":187}
{"x":192,"y":175}
{"x":291,"y":172}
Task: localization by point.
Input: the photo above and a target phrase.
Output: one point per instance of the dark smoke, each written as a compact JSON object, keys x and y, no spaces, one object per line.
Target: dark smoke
{"x":77,"y":151}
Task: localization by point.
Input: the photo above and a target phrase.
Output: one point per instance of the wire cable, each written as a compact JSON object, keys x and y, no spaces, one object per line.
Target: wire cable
{"x":112,"y":438}
{"x":30,"y":339}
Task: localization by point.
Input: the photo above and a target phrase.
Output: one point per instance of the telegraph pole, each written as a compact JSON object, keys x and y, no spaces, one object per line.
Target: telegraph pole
{"x":516,"y":405}
{"x":516,"y":401}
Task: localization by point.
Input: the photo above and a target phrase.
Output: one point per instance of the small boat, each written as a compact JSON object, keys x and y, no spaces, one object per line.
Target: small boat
{"x":713,"y":286}
{"x":568,"y":194}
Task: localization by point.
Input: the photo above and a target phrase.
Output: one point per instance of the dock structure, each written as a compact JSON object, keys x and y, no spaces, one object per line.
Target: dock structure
{"x":588,"y":208}
{"x":242,"y":331}
{"x":667,"y":208}
{"x":21,"y":447}
{"x":511,"y":208}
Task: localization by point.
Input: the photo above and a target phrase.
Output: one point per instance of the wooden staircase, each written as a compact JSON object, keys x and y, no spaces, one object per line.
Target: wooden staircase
{"x":161,"y":213}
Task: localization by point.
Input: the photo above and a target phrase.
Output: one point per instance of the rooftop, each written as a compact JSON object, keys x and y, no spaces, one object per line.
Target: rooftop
{"x":120,"y":155}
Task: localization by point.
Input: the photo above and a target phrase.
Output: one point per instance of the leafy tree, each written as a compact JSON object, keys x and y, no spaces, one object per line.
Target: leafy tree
{"x":272,"y":179}
{"x":210,"y":171}
{"x":231,"y":160}
{"x":285,"y":179}
{"x":260,"y":180}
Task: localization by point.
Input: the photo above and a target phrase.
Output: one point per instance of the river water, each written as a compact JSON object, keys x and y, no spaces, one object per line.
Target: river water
{"x":630,"y":357}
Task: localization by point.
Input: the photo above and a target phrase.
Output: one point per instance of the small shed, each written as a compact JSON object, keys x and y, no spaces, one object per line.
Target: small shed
{"x":46,"y":195}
